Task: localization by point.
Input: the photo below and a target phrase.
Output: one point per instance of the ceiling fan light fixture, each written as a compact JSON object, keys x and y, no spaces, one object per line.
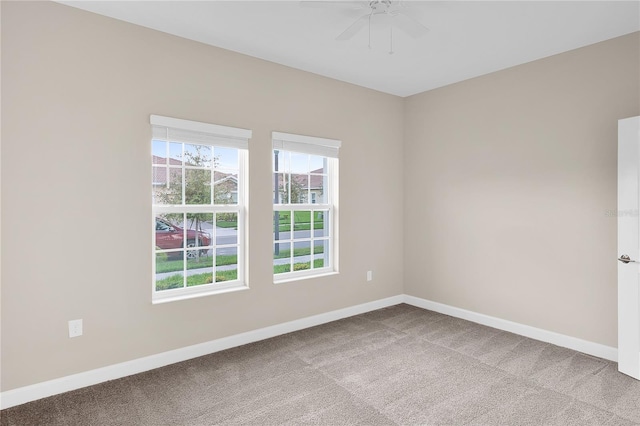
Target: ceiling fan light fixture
{"x":380,"y":6}
{"x":396,"y":17}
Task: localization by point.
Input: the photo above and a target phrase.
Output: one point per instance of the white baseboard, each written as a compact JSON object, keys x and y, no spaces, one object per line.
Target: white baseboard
{"x":584,"y":346}
{"x":76,"y":381}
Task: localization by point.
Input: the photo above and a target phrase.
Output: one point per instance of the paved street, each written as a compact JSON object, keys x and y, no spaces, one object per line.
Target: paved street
{"x":226,"y":236}
{"x":229,"y":236}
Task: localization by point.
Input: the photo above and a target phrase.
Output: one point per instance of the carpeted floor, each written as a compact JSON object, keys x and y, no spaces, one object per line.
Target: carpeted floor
{"x":399,"y":365}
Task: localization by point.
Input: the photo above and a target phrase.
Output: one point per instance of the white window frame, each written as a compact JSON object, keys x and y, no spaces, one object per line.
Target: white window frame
{"x":192,"y":132}
{"x":319,"y":147}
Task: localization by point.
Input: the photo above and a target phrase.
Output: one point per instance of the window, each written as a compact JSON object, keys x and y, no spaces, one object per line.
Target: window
{"x":305,"y":200}
{"x":198,"y":206}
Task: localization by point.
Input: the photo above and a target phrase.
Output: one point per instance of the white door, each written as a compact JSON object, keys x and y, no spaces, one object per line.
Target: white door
{"x":629,"y":246}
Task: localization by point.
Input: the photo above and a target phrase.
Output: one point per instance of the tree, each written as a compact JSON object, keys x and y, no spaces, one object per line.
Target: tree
{"x":292,"y":191}
{"x":197,"y":186}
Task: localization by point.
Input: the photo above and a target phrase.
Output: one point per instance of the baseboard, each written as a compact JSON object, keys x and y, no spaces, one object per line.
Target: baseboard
{"x":584,"y":346}
{"x":76,"y":381}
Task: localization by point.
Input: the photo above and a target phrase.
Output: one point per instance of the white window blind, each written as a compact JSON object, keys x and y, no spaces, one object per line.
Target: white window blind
{"x":187,"y":131}
{"x":306,"y":144}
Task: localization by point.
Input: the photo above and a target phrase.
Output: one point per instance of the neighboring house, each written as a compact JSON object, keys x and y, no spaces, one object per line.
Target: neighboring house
{"x":316,"y":185}
{"x":228,"y":184}
{"x":307,"y":188}
{"x":159,"y":179}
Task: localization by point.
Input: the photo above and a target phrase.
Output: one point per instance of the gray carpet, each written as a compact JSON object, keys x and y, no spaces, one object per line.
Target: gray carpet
{"x":399,"y":365}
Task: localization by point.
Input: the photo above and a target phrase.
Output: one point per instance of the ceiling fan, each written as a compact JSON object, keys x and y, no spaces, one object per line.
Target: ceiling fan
{"x":394,"y":11}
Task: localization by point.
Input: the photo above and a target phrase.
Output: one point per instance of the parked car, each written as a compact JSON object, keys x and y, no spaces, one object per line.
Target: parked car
{"x":169,"y":236}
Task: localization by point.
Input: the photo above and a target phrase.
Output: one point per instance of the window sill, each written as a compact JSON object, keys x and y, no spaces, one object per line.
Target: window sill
{"x":166,"y":299}
{"x":304,"y":277}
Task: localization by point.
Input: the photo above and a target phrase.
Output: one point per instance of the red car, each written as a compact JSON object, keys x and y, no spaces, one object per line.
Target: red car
{"x":170,"y":236}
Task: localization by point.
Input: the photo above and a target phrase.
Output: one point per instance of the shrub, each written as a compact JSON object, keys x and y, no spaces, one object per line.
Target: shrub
{"x":301,"y":266}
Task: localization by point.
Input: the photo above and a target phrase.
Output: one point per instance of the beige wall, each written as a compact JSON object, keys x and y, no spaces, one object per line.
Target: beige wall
{"x":508,"y":178}
{"x":77,"y":91}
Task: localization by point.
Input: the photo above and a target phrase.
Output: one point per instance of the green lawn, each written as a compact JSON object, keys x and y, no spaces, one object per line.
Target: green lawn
{"x":279,"y":269}
{"x":301,"y":221}
{"x":227,"y":224}
{"x":176,"y":281}
{"x":170,"y":265}
{"x":298,"y":252}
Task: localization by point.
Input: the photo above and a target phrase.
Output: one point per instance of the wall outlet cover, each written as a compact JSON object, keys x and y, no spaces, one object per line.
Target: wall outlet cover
{"x":75,"y":328}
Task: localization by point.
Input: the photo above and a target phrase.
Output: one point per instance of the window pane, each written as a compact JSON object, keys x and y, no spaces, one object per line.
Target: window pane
{"x":169,"y":271}
{"x":282,"y":225}
{"x":317,"y":184}
{"x":199,"y":268}
{"x":301,"y":255}
{"x":321,"y":223}
{"x":199,"y":228}
{"x":198,"y":155}
{"x":226,"y":256}
{"x":198,"y":187}
{"x":169,"y":231}
{"x":317,"y":164}
{"x":226,"y":265}
{"x":225,"y":158}
{"x":159,"y":152}
{"x":199,"y":261}
{"x":158,"y":182}
{"x":171,"y":193}
{"x":226,"y":228}
{"x":225,"y":189}
{"x":302,"y":224}
{"x":298,"y":188}
{"x":283,"y":188}
{"x":175,"y":154}
{"x":159,"y":175}
{"x":281,"y":258}
{"x":299,"y":163}
{"x":281,"y":161}
{"x":321,"y":253}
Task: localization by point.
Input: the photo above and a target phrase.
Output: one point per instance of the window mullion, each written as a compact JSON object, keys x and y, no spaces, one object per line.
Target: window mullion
{"x":298,"y":207}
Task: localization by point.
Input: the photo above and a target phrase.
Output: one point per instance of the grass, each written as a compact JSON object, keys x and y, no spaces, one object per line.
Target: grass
{"x":301,"y":221}
{"x":171,"y":265}
{"x":301,"y":226}
{"x":306,"y":251}
{"x":279,"y":269}
{"x":227,"y":224}
{"x":176,"y":281}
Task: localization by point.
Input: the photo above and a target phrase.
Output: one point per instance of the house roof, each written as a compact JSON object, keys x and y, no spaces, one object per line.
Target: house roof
{"x":159,"y":172}
{"x":314,"y":180}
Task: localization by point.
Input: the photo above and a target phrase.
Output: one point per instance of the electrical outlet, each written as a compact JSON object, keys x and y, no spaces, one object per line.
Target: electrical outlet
{"x":369,"y":275}
{"x":75,"y":328}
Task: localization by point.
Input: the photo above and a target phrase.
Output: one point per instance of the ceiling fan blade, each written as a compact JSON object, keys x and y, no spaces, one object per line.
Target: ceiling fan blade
{"x":333,"y":4}
{"x":354,"y":28}
{"x":409,"y":25}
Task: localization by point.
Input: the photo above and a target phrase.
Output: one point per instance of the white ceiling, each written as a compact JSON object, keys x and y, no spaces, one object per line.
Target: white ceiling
{"x":466,"y":38}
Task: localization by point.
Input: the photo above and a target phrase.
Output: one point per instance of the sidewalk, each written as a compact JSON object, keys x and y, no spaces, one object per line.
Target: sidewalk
{"x":284,"y":261}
